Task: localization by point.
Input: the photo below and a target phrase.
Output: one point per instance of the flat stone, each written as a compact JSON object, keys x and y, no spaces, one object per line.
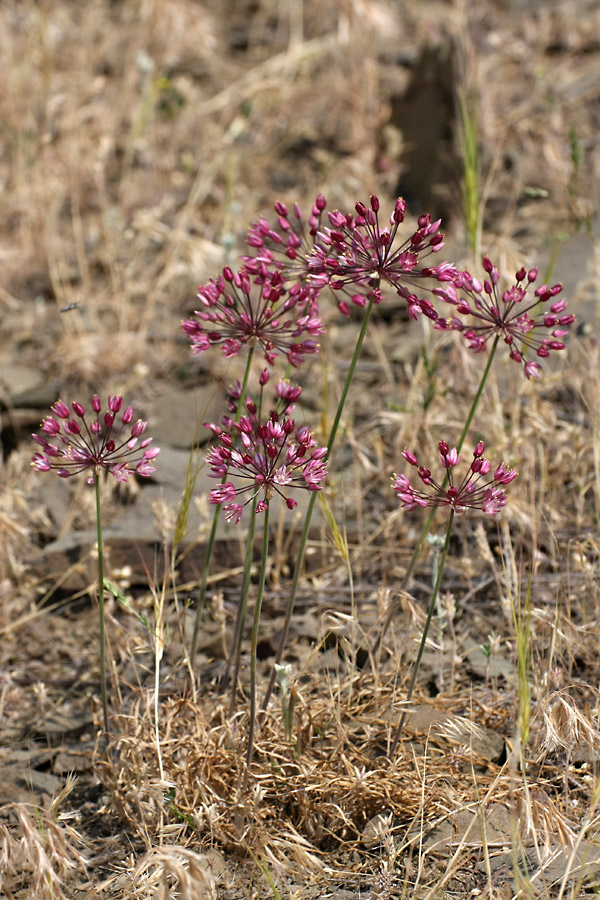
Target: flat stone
{"x":457,"y":730}
{"x":177,"y":416}
{"x":585,"y":863}
{"x":24,"y":386}
{"x":467,"y":825}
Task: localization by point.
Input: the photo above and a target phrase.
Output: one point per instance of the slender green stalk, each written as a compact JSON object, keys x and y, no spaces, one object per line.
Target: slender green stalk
{"x":311,"y":506}
{"x":238,"y":630}
{"x":213,"y":531}
{"x":235,"y":651}
{"x":428,"y":522}
{"x":417,"y":662}
{"x":101,"y":606}
{"x":254,"y":642}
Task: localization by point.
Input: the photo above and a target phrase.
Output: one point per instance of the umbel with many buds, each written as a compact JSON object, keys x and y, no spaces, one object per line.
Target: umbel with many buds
{"x":473,"y":492}
{"x":514,"y":314}
{"x":72,"y":444}
{"x":238,"y":310}
{"x":274,"y":458}
{"x":358,"y":254}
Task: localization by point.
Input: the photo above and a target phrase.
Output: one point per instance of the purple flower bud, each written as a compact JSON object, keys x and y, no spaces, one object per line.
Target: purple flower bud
{"x":138,"y":428}
{"x":50,"y":426}
{"x":410,"y":458}
{"x":61,"y":410}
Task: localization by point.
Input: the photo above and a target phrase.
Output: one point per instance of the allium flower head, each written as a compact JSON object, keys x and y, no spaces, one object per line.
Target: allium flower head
{"x":275,"y":457}
{"x":530,"y":321}
{"x":475,"y":491}
{"x":235,"y":311}
{"x":359,"y":253}
{"x":72,"y":443}
{"x":287,"y":247}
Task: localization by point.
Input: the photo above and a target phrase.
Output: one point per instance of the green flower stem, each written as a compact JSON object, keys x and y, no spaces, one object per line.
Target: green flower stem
{"x":213,"y":531}
{"x":311,"y":506}
{"x":428,"y":522}
{"x":101,"y":606}
{"x":235,"y":651}
{"x":238,"y":631}
{"x":417,"y":662}
{"x":254,"y":643}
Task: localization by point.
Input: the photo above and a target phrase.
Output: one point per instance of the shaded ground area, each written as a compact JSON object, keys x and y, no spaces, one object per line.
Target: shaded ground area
{"x":140,"y":140}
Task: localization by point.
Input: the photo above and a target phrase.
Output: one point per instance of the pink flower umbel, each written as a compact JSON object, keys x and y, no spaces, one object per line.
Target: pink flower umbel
{"x":71,"y":443}
{"x":359,"y":254}
{"x":473,"y":492}
{"x":275,"y":458}
{"x":287,"y":247}
{"x":235,"y":311}
{"x":530,"y":324}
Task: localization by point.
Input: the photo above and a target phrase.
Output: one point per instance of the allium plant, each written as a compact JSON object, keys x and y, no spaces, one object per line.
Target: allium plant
{"x":251,"y":308}
{"x":479,"y":489}
{"x":523,"y":316}
{"x":72,"y":443}
{"x":238,"y":309}
{"x":529,"y":320}
{"x":358,"y":254}
{"x":356,"y":257}
{"x":286,"y":397}
{"x":275,"y":458}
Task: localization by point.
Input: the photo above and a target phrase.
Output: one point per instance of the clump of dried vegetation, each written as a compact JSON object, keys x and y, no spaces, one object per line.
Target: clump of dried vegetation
{"x":140,"y":140}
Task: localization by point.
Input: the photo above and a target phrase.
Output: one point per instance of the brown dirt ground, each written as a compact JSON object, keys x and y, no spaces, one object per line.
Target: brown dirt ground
{"x":140,"y":139}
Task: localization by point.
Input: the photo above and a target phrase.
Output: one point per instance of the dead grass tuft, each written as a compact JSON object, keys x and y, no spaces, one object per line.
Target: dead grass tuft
{"x":41,"y":849}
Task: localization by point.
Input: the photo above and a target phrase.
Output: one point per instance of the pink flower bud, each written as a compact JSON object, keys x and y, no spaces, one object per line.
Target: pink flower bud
{"x":410,"y":458}
{"x":138,"y":428}
{"x":61,"y":410}
{"x":50,"y":426}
